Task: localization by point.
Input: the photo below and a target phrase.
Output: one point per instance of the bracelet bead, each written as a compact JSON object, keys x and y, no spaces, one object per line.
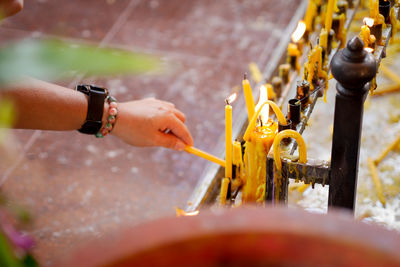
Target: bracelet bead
{"x":111,"y":118}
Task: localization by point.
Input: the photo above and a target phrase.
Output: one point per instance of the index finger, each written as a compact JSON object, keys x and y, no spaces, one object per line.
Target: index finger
{"x":179,"y":129}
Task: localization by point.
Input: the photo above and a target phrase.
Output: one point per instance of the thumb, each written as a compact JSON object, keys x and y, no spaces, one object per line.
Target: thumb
{"x":169,"y":140}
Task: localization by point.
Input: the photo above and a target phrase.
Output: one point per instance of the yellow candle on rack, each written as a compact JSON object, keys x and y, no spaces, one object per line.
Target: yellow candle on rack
{"x":228,"y":136}
{"x":366,"y":36}
{"x":374,"y":8}
{"x":313,"y":69}
{"x":293,"y":50}
{"x":310,"y":14}
{"x":277,"y":155}
{"x":248,"y":97}
{"x":255,"y":72}
{"x":224,"y":190}
{"x":300,"y":141}
{"x":237,"y":153}
{"x":329,"y":15}
{"x":237,"y":160}
{"x":256,"y":151}
{"x":323,"y":39}
{"x":253,"y":121}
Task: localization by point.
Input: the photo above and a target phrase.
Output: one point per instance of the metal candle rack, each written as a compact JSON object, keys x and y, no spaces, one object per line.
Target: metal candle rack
{"x":352,"y":88}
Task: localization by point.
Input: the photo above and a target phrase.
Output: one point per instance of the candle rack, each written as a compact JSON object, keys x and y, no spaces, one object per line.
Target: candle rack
{"x":314,"y":171}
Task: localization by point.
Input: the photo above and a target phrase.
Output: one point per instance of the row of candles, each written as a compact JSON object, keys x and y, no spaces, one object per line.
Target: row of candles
{"x":261,"y":130}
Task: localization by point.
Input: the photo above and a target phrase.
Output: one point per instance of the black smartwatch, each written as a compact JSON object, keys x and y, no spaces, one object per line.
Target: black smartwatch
{"x":97,"y":96}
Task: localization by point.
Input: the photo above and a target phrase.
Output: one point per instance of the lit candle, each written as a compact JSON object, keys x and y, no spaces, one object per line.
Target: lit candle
{"x":329,"y":15}
{"x":256,"y":151}
{"x":228,"y":136}
{"x":294,"y":50}
{"x":248,"y":97}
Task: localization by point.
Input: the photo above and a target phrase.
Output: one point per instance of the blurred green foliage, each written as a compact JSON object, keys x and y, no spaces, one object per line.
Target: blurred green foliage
{"x":53,"y":59}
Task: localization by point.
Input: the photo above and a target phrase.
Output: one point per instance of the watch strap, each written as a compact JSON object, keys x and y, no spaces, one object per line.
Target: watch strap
{"x":97,"y":96}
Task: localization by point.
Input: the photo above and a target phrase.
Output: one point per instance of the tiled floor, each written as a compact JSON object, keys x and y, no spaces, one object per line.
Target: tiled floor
{"x":78,"y":187}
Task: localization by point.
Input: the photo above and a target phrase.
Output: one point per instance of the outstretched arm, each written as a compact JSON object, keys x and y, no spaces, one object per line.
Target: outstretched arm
{"x":147,"y":122}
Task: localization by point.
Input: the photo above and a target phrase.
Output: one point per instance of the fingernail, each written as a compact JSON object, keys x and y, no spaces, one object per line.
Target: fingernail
{"x":179,"y":146}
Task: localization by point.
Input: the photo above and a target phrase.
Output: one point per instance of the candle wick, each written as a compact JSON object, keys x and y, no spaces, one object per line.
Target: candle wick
{"x":245,"y":76}
{"x":227,"y":101}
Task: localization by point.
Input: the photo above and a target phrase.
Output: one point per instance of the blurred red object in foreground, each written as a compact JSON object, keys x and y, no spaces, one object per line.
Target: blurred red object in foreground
{"x":246,"y":237}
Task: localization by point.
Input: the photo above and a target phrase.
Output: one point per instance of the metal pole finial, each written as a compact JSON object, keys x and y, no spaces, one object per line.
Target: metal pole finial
{"x":353,"y":68}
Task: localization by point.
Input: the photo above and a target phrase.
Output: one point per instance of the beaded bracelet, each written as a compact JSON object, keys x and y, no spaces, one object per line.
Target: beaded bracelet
{"x":111,"y":119}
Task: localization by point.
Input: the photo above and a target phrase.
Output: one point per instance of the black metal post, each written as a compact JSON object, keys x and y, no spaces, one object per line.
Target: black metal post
{"x":353,"y":68}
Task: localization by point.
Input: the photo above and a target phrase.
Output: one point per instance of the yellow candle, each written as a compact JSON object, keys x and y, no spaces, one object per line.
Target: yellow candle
{"x":310,"y":14}
{"x":329,"y":15}
{"x":270,"y":91}
{"x":256,"y":151}
{"x":393,"y":21}
{"x":377,"y":181}
{"x":248,"y":97}
{"x":228,"y":140}
{"x":365,"y":35}
{"x":255,"y":72}
{"x":374,"y":8}
{"x":237,"y":160}
{"x":204,"y":155}
{"x":293,"y":50}
{"x":237,"y":153}
{"x":224,"y":190}
{"x":300,"y":141}
{"x":387,"y":150}
{"x":252,"y":123}
{"x":323,"y":39}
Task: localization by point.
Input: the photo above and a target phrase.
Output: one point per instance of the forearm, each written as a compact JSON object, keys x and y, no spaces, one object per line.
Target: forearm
{"x":41,"y":105}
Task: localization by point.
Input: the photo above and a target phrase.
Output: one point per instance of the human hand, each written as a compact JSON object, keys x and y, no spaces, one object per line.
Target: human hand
{"x":152,"y":122}
{"x":10,"y":7}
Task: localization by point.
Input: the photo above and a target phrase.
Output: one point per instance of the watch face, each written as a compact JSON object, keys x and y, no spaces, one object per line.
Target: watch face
{"x":98,"y":89}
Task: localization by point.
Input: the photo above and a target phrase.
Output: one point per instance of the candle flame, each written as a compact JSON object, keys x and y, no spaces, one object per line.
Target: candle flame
{"x":369,"y":49}
{"x":231,"y":98}
{"x":368,"y":21}
{"x":299,"y":32}
{"x":181,"y":213}
{"x":264,"y":113}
